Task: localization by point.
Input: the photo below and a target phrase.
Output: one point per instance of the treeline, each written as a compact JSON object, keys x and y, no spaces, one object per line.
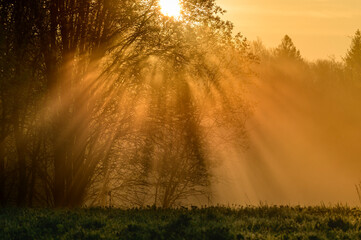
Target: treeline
{"x":108,"y":102}
{"x":286,"y":61}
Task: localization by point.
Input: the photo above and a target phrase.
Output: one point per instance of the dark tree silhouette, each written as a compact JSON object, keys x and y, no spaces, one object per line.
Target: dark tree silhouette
{"x":73,"y":75}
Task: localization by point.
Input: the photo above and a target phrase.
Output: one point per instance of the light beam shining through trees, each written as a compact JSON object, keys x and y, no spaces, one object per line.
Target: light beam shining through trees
{"x":170,"y":8}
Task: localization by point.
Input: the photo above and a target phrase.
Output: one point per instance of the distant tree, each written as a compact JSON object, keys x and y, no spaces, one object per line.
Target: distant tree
{"x":287,"y":50}
{"x":328,"y":72}
{"x":259,"y":49}
{"x":353,"y":59}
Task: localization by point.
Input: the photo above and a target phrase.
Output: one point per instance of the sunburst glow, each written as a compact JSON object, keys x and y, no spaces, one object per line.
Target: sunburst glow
{"x":170,"y":8}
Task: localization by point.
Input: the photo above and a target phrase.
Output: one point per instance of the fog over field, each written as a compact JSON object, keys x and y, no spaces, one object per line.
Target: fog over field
{"x":304,"y":147}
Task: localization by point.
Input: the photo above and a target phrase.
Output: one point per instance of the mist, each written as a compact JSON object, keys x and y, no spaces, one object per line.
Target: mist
{"x":304,"y":137}
{"x":119,"y":103}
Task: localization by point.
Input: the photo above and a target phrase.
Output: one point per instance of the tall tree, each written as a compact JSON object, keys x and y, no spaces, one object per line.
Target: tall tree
{"x":353,"y":59}
{"x":287,"y":50}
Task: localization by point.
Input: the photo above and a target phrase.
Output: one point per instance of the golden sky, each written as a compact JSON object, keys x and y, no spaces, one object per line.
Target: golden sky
{"x":319,"y":28}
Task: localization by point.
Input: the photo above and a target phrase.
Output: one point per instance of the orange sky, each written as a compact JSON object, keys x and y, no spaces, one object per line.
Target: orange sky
{"x":319,"y":28}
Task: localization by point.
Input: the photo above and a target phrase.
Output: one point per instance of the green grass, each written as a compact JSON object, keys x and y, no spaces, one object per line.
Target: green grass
{"x":216,"y":223}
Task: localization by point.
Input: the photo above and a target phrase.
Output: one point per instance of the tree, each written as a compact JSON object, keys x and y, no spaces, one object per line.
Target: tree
{"x":167,"y":162}
{"x":287,"y":50}
{"x":73,"y":74}
{"x":353,"y":59}
{"x":20,"y":86}
{"x":49,"y":77}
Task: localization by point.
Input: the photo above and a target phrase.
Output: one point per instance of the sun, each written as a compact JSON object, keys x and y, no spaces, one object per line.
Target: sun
{"x":170,"y":8}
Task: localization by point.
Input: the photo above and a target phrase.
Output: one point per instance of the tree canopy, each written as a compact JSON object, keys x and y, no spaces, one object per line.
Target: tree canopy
{"x":101,"y":100}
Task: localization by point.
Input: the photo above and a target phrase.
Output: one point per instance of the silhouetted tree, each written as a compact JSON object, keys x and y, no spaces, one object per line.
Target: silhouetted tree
{"x":72,"y":74}
{"x":353,"y":59}
{"x":287,"y":50}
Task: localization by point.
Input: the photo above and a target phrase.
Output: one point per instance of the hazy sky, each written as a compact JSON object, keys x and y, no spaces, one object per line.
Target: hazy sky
{"x":319,"y":28}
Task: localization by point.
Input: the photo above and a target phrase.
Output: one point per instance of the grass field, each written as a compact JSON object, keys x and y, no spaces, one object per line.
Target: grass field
{"x":218,"y":223}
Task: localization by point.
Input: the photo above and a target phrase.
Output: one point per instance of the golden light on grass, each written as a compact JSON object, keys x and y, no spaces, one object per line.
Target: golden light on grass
{"x":170,"y":8}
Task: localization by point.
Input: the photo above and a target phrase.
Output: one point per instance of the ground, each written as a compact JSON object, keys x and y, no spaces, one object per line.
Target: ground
{"x":218,"y":223}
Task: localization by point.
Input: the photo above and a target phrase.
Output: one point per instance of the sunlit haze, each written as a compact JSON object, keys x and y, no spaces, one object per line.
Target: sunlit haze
{"x":319,"y":28}
{"x":170,"y":8}
{"x":162,"y":103}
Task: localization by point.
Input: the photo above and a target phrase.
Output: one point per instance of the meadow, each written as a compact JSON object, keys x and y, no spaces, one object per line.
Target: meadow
{"x":262,"y":222}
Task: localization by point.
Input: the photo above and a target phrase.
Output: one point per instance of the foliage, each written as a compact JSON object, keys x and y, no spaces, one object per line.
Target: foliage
{"x":265,"y":222}
{"x":75,"y":77}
